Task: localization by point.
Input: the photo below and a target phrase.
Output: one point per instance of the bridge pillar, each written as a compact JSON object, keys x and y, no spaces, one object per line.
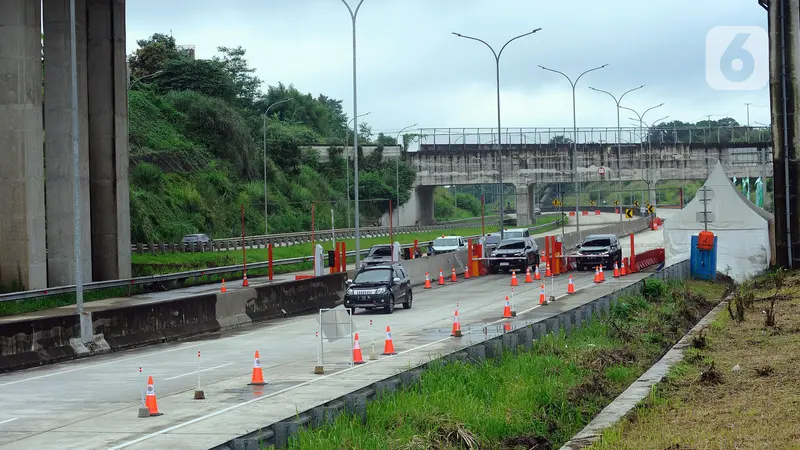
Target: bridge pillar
{"x":523,"y":201}
{"x":22,"y":224}
{"x":425,"y":207}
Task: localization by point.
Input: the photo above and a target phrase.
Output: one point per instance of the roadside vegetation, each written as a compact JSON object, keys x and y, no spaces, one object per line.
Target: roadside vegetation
{"x":737,"y":385}
{"x":537,"y":399}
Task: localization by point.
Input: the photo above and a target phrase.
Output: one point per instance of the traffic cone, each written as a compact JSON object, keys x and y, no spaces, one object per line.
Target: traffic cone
{"x":258,"y":376}
{"x":507,"y":309}
{"x":456,"y":326}
{"x":358,"y":358}
{"x":596,"y":275}
{"x":528,"y":278}
{"x":616,"y":270}
{"x":244,"y":280}
{"x":388,"y":346}
{"x":547,"y":272}
{"x":453,"y":277}
{"x":507,"y":327}
{"x":427,"y":280}
{"x":542,"y":299}
{"x":150,"y":402}
{"x":602,"y":277}
{"x":441,"y":277}
{"x":224,"y":289}
{"x":536,"y":275}
{"x":624,"y":271}
{"x":570,"y":286}
{"x":514,"y":281}
{"x":466,"y":273}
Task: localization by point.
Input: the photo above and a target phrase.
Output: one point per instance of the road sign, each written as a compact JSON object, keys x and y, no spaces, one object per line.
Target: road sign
{"x":591,"y":202}
{"x":601,"y":170}
{"x":642,"y":210}
{"x":616,"y":202}
{"x":650,"y":209}
{"x":556,"y":202}
{"x":629,"y":213}
{"x":636,"y":203}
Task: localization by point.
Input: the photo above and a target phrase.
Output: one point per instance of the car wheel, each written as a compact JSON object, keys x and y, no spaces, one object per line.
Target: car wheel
{"x":390,"y":307}
{"x":580,"y":268}
{"x":409,"y":300}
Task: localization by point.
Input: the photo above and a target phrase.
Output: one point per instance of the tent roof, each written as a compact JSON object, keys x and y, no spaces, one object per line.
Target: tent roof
{"x":728,"y":208}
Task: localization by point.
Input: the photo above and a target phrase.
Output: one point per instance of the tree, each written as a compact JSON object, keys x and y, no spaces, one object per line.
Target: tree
{"x":248,"y":86}
{"x":153,"y":53}
{"x":207,"y":77}
{"x":386,"y":141}
{"x":560,"y":140}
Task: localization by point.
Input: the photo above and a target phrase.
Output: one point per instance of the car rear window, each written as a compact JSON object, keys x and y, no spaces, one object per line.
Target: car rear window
{"x":512,"y":245}
{"x":513,"y":234}
{"x":445,"y":242}
{"x":374,"y":276}
{"x":602,"y":242}
{"x":493,"y":239}
{"x":381,"y":251}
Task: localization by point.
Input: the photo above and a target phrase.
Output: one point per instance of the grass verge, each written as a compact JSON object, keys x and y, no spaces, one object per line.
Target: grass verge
{"x":737,"y":385}
{"x":536,"y":399}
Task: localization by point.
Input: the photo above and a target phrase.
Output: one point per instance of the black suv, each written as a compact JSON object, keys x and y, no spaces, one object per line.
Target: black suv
{"x":599,"y":249}
{"x":379,"y":286}
{"x":514,"y":253}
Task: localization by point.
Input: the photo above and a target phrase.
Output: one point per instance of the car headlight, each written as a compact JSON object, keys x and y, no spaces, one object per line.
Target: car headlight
{"x":494,"y":254}
{"x":349,"y":291}
{"x":380,"y":290}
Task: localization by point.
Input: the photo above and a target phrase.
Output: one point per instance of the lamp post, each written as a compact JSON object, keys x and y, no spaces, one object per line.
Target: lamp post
{"x":353,"y":15}
{"x":266,"y":113}
{"x":617,"y":101}
{"x":497,"y":56}
{"x":347,"y":166}
{"x":397,"y":173}
{"x":641,"y":143}
{"x":574,"y":139}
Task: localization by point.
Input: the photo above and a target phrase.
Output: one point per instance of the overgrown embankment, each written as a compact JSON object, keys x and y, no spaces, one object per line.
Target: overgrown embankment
{"x":537,"y":399}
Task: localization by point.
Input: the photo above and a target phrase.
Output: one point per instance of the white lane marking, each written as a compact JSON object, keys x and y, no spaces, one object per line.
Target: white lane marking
{"x":8,"y":420}
{"x":197,"y":371}
{"x":282,"y":391}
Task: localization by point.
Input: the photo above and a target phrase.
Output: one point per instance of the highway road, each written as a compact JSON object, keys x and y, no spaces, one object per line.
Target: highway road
{"x":93,"y":402}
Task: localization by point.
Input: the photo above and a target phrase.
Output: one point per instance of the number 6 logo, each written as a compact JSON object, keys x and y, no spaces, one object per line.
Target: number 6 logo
{"x":737,"y":58}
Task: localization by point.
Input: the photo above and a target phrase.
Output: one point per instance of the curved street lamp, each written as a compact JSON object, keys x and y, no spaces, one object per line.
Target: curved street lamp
{"x":641,"y":144}
{"x":497,"y":56}
{"x":347,"y":165}
{"x":266,"y":113}
{"x":574,"y":139}
{"x":397,"y":172}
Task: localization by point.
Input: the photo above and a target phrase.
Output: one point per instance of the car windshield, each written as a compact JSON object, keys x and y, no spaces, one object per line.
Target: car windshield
{"x":512,"y":234}
{"x":445,"y":242}
{"x":373,"y":276}
{"x":493,"y":239}
{"x":381,"y":251}
{"x":192,"y":237}
{"x":511,"y":245}
{"x":598,"y":242}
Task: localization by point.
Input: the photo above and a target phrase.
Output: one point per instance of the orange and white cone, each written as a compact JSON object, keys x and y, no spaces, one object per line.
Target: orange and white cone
{"x":542,"y":299}
{"x":602,"y":277}
{"x":358,"y":358}
{"x":258,"y":376}
{"x":223,"y":289}
{"x":528,"y":278}
{"x":466,"y":274}
{"x":507,"y":309}
{"x":441,"y":277}
{"x":624,"y":271}
{"x":456,"y":326}
{"x":547,"y":272}
{"x":514,"y":281}
{"x":507,"y":327}
{"x":570,"y":286}
{"x":536,"y":275}
{"x":453,"y":276}
{"x":596,"y":274}
{"x":244,"y":280}
{"x":388,"y":346}
{"x":616,"y":270}
{"x":150,"y":401}
{"x":427,"y":280}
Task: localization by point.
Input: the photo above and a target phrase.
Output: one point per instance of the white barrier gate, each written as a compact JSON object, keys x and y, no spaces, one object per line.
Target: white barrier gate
{"x":334,"y":324}
{"x":319,"y":262}
{"x":396,"y":252}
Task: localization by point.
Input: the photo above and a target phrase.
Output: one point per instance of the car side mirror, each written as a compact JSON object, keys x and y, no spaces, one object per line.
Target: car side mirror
{"x":348,"y":282}
{"x":578,"y":246}
{"x":396,"y":280}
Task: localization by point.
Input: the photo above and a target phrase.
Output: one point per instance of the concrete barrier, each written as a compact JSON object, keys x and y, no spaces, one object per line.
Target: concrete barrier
{"x":25,"y":344}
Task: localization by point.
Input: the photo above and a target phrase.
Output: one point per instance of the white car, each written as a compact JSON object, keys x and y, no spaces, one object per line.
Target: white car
{"x":446,"y":244}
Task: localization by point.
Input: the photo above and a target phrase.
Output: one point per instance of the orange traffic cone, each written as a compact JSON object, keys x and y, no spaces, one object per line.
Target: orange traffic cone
{"x":570,"y":286}
{"x":596,"y":275}
{"x":542,"y":299}
{"x":616,"y":270}
{"x":388,"y":347}
{"x":441,"y":276}
{"x":224,"y":289}
{"x":466,"y":273}
{"x":150,"y":403}
{"x":456,"y":326}
{"x":528,"y":278}
{"x":258,"y":376}
{"x":453,"y":277}
{"x":507,"y":327}
{"x":358,"y":358}
{"x":547,"y":271}
{"x":602,"y":277}
{"x":427,"y":280}
{"x":507,"y":309}
{"x":624,"y":271}
{"x":244,"y":280}
{"x":536,"y":275}
{"x":514,"y":281}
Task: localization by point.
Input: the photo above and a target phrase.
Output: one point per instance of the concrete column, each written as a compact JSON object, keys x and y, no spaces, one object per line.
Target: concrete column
{"x":108,"y":140}
{"x":22,"y":222}
{"x":523,"y":204}
{"x":58,"y":143}
{"x":424,"y":202}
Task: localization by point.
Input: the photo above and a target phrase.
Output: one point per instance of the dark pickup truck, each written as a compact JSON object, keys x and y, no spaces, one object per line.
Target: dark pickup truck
{"x":515,"y":253}
{"x":379,"y":286}
{"x":599,"y":250}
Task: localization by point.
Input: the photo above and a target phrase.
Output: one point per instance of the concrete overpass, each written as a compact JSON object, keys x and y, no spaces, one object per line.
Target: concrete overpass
{"x":525,"y":164}
{"x":37,"y":243}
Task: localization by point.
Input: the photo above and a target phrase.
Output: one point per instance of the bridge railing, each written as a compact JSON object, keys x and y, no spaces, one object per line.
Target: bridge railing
{"x":595,"y":135}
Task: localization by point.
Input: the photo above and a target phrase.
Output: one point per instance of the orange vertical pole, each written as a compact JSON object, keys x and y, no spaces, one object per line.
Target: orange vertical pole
{"x":547,"y":249}
{"x":557,"y":258}
{"x":269,"y":256}
{"x":344,"y":257}
{"x":469,"y":256}
{"x":633,"y":268}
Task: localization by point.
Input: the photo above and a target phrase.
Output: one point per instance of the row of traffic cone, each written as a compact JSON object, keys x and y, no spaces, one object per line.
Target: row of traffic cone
{"x":245,"y":283}
{"x":530,"y":279}
{"x":453,"y":277}
{"x":388,"y":347}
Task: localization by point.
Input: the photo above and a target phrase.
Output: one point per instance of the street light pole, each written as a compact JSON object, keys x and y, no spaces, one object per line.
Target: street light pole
{"x":347,"y":166}
{"x":397,"y":173}
{"x":641,"y":143}
{"x":619,"y":141}
{"x":266,"y":113}
{"x":575,"y":140}
{"x":497,"y":56}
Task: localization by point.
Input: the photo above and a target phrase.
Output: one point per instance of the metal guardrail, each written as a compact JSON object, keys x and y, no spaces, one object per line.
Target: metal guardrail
{"x":182,"y":276}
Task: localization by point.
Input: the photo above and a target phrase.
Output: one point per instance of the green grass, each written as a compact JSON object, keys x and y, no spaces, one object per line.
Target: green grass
{"x":57,"y":301}
{"x":544,"y":396}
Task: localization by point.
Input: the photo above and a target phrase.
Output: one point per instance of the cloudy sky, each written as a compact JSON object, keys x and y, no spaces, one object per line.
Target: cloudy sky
{"x":411,"y":69}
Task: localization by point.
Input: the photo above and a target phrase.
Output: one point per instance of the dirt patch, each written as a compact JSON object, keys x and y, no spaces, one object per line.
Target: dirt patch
{"x":527,"y":443}
{"x":594,"y":386}
{"x":600,"y":359}
{"x":711,"y":375}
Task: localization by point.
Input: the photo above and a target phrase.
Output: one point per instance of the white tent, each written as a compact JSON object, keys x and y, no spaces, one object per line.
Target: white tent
{"x":742,"y":229}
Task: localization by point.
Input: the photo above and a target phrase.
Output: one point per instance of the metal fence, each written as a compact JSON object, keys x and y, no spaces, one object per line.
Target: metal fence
{"x":594,"y":135}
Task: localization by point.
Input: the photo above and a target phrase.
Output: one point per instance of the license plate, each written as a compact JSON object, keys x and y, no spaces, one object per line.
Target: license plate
{"x":503,"y":263}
